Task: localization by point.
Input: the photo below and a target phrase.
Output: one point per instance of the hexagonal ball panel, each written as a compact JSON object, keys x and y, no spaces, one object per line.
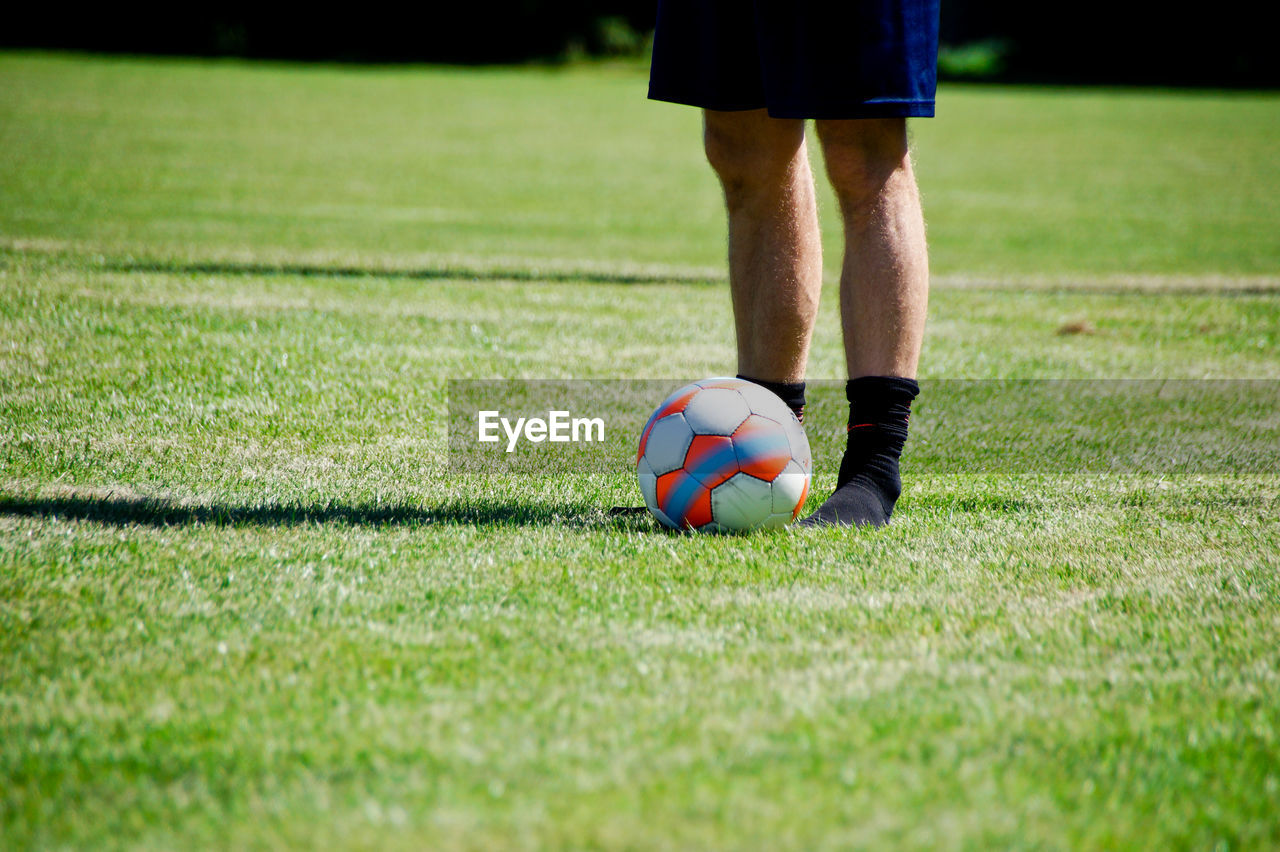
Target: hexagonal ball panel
{"x":789,"y":489}
{"x":799,"y":441}
{"x":648,"y":483}
{"x":716,"y":411}
{"x":742,"y":502}
{"x":669,"y":440}
{"x":766,"y":403}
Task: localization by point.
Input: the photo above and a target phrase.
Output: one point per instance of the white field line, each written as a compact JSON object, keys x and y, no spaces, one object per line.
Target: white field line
{"x":1111,"y":283}
{"x":117,"y":257}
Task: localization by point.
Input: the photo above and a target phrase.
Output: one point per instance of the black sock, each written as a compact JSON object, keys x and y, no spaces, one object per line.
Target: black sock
{"x":792,"y":393}
{"x":868,"y":485}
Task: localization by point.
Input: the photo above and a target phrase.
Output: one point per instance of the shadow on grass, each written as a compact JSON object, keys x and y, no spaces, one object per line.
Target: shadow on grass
{"x":437,"y":273}
{"x":161,"y":512}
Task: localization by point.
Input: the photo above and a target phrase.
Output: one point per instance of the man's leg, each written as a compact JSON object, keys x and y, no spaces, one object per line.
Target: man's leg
{"x":884,"y":286}
{"x":884,"y":282}
{"x":775,"y":249}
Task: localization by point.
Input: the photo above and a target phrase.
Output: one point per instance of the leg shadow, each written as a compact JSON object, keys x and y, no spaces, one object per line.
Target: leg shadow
{"x":163,"y":512}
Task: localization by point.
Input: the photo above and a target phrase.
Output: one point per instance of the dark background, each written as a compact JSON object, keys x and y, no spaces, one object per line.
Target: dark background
{"x":1088,"y":41}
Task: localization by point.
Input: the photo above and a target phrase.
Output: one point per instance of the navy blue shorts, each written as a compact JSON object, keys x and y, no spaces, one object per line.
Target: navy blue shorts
{"x":827,"y":59}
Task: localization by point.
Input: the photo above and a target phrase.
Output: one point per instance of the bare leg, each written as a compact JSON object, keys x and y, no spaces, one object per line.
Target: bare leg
{"x":775,"y":249}
{"x":884,"y":282}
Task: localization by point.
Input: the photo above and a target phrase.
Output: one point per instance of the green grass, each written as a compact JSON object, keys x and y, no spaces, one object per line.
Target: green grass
{"x":244,"y":603}
{"x":518,"y":167}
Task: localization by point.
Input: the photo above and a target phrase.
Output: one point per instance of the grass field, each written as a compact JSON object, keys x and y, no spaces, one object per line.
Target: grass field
{"x":245,"y":603}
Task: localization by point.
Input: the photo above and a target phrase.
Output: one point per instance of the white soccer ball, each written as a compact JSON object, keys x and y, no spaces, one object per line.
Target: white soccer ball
{"x":724,"y":454}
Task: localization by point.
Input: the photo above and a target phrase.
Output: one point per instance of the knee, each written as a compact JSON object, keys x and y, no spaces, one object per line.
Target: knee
{"x":750,"y":152}
{"x":864,"y":159}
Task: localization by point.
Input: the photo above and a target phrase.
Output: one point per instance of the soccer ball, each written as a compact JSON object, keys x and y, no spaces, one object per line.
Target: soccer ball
{"x":724,"y":455}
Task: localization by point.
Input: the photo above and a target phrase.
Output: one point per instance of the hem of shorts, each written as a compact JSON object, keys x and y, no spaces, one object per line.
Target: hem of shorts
{"x":706,"y":103}
{"x":862,"y":109}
